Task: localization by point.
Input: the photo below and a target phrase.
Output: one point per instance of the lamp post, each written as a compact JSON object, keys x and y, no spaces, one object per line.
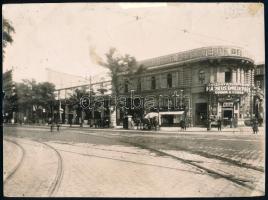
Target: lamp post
{"x":181,"y":96}
{"x":44,"y":114}
{"x":159,"y":116}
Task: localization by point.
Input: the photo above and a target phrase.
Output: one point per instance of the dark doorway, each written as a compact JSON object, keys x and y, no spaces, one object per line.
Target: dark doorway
{"x":200,"y":114}
{"x":228,"y":114}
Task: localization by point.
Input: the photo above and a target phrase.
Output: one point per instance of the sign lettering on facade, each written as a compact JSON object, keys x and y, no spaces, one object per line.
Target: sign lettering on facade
{"x":194,"y":54}
{"x":228,"y":104}
{"x":228,"y":88}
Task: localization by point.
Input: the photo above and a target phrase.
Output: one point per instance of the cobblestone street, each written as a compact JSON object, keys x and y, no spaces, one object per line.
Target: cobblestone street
{"x":110,"y":163}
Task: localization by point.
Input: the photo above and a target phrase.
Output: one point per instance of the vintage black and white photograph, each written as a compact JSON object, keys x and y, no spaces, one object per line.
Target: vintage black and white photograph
{"x":133,"y":99}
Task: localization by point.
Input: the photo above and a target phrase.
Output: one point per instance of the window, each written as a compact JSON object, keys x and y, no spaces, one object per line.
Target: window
{"x":139,"y":85}
{"x":259,"y":84}
{"x":228,"y":76}
{"x":126,"y":86}
{"x":169,"y":81}
{"x":153,"y":83}
{"x":258,"y":71}
{"x":201,"y":76}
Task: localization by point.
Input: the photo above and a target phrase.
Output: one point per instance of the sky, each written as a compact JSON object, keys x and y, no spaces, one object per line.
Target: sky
{"x":69,"y":37}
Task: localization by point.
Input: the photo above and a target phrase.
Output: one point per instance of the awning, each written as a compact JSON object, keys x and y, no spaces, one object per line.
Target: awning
{"x":171,"y":113}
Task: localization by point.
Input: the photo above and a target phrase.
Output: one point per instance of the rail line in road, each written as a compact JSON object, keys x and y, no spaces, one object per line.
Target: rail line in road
{"x":207,"y":155}
{"x":208,"y":170}
{"x":211,"y":172}
{"x":13,"y":171}
{"x":56,"y":183}
{"x":244,"y":183}
{"x":57,"y":180}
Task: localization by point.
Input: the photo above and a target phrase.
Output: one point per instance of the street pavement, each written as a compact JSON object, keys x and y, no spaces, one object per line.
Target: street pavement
{"x":230,"y":157}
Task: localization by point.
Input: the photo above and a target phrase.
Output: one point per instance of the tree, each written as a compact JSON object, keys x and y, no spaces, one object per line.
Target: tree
{"x":9,"y":94}
{"x":33,"y":97}
{"x":74,"y":100}
{"x":118,"y":64}
{"x":6,"y":34}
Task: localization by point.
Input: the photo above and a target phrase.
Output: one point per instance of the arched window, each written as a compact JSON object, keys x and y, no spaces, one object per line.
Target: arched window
{"x":228,"y":75}
{"x":169,"y":81}
{"x":202,"y":76}
{"x":153,"y":83}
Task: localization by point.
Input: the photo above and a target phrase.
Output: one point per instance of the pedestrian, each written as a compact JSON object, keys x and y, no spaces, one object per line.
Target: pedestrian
{"x":231,"y":122}
{"x":155,"y":123}
{"x":58,"y":126}
{"x":255,"y":126}
{"x":182,"y":124}
{"x":50,"y":124}
{"x":219,"y":124}
{"x":138,"y":123}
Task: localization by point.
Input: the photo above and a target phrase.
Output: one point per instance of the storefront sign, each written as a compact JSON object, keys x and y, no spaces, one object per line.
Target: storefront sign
{"x":228,"y":104}
{"x":228,"y":88}
{"x":195,"y":54}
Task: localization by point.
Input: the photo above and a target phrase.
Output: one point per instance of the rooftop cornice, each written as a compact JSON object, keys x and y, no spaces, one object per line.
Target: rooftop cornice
{"x":198,"y":54}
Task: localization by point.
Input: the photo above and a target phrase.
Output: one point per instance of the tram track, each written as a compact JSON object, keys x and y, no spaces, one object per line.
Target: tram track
{"x":17,"y":166}
{"x":59,"y":174}
{"x":53,"y":188}
{"x":210,"y":172}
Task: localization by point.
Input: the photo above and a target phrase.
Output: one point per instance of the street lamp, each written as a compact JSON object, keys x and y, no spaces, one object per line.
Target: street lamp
{"x":181,"y":96}
{"x":159,"y":117}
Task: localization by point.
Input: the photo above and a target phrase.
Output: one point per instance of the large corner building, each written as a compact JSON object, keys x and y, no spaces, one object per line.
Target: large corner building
{"x":211,"y":82}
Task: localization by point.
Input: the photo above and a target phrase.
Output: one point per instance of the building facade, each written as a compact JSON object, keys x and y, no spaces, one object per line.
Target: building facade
{"x":259,"y":93}
{"x":196,"y":85}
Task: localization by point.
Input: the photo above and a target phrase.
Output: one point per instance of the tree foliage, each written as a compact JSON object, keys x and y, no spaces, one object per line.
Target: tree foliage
{"x":6,"y":34}
{"x":74,"y":100}
{"x":118,"y":64}
{"x":31,"y":96}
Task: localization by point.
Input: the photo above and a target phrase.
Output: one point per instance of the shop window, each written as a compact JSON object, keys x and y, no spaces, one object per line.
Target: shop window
{"x":201,"y":76}
{"x":228,"y":76}
{"x":153,"y":83}
{"x":169,"y":81}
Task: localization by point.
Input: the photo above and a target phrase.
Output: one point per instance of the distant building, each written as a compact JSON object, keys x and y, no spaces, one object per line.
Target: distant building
{"x":64,"y":80}
{"x":259,"y":76}
{"x":210,"y":83}
{"x":259,"y":82}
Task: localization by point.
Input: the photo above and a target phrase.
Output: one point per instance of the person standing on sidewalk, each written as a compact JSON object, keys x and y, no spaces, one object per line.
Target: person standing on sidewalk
{"x":255,"y":126}
{"x":231,"y":122}
{"x":219,"y":124}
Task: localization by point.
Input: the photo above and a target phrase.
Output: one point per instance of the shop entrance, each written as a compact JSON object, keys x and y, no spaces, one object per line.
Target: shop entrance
{"x":228,"y":114}
{"x":200,"y":114}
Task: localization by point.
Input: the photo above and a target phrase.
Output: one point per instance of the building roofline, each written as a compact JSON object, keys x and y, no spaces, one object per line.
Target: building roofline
{"x":196,"y":54}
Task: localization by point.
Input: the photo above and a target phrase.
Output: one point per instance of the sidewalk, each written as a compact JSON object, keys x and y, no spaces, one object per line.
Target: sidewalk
{"x":241,"y":130}
{"x":163,"y":130}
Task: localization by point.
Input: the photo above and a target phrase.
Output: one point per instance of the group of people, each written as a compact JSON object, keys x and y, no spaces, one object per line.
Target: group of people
{"x":53,"y":123}
{"x":147,"y":124}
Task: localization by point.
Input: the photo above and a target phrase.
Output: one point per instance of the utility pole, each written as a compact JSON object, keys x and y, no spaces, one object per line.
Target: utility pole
{"x":59,"y":107}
